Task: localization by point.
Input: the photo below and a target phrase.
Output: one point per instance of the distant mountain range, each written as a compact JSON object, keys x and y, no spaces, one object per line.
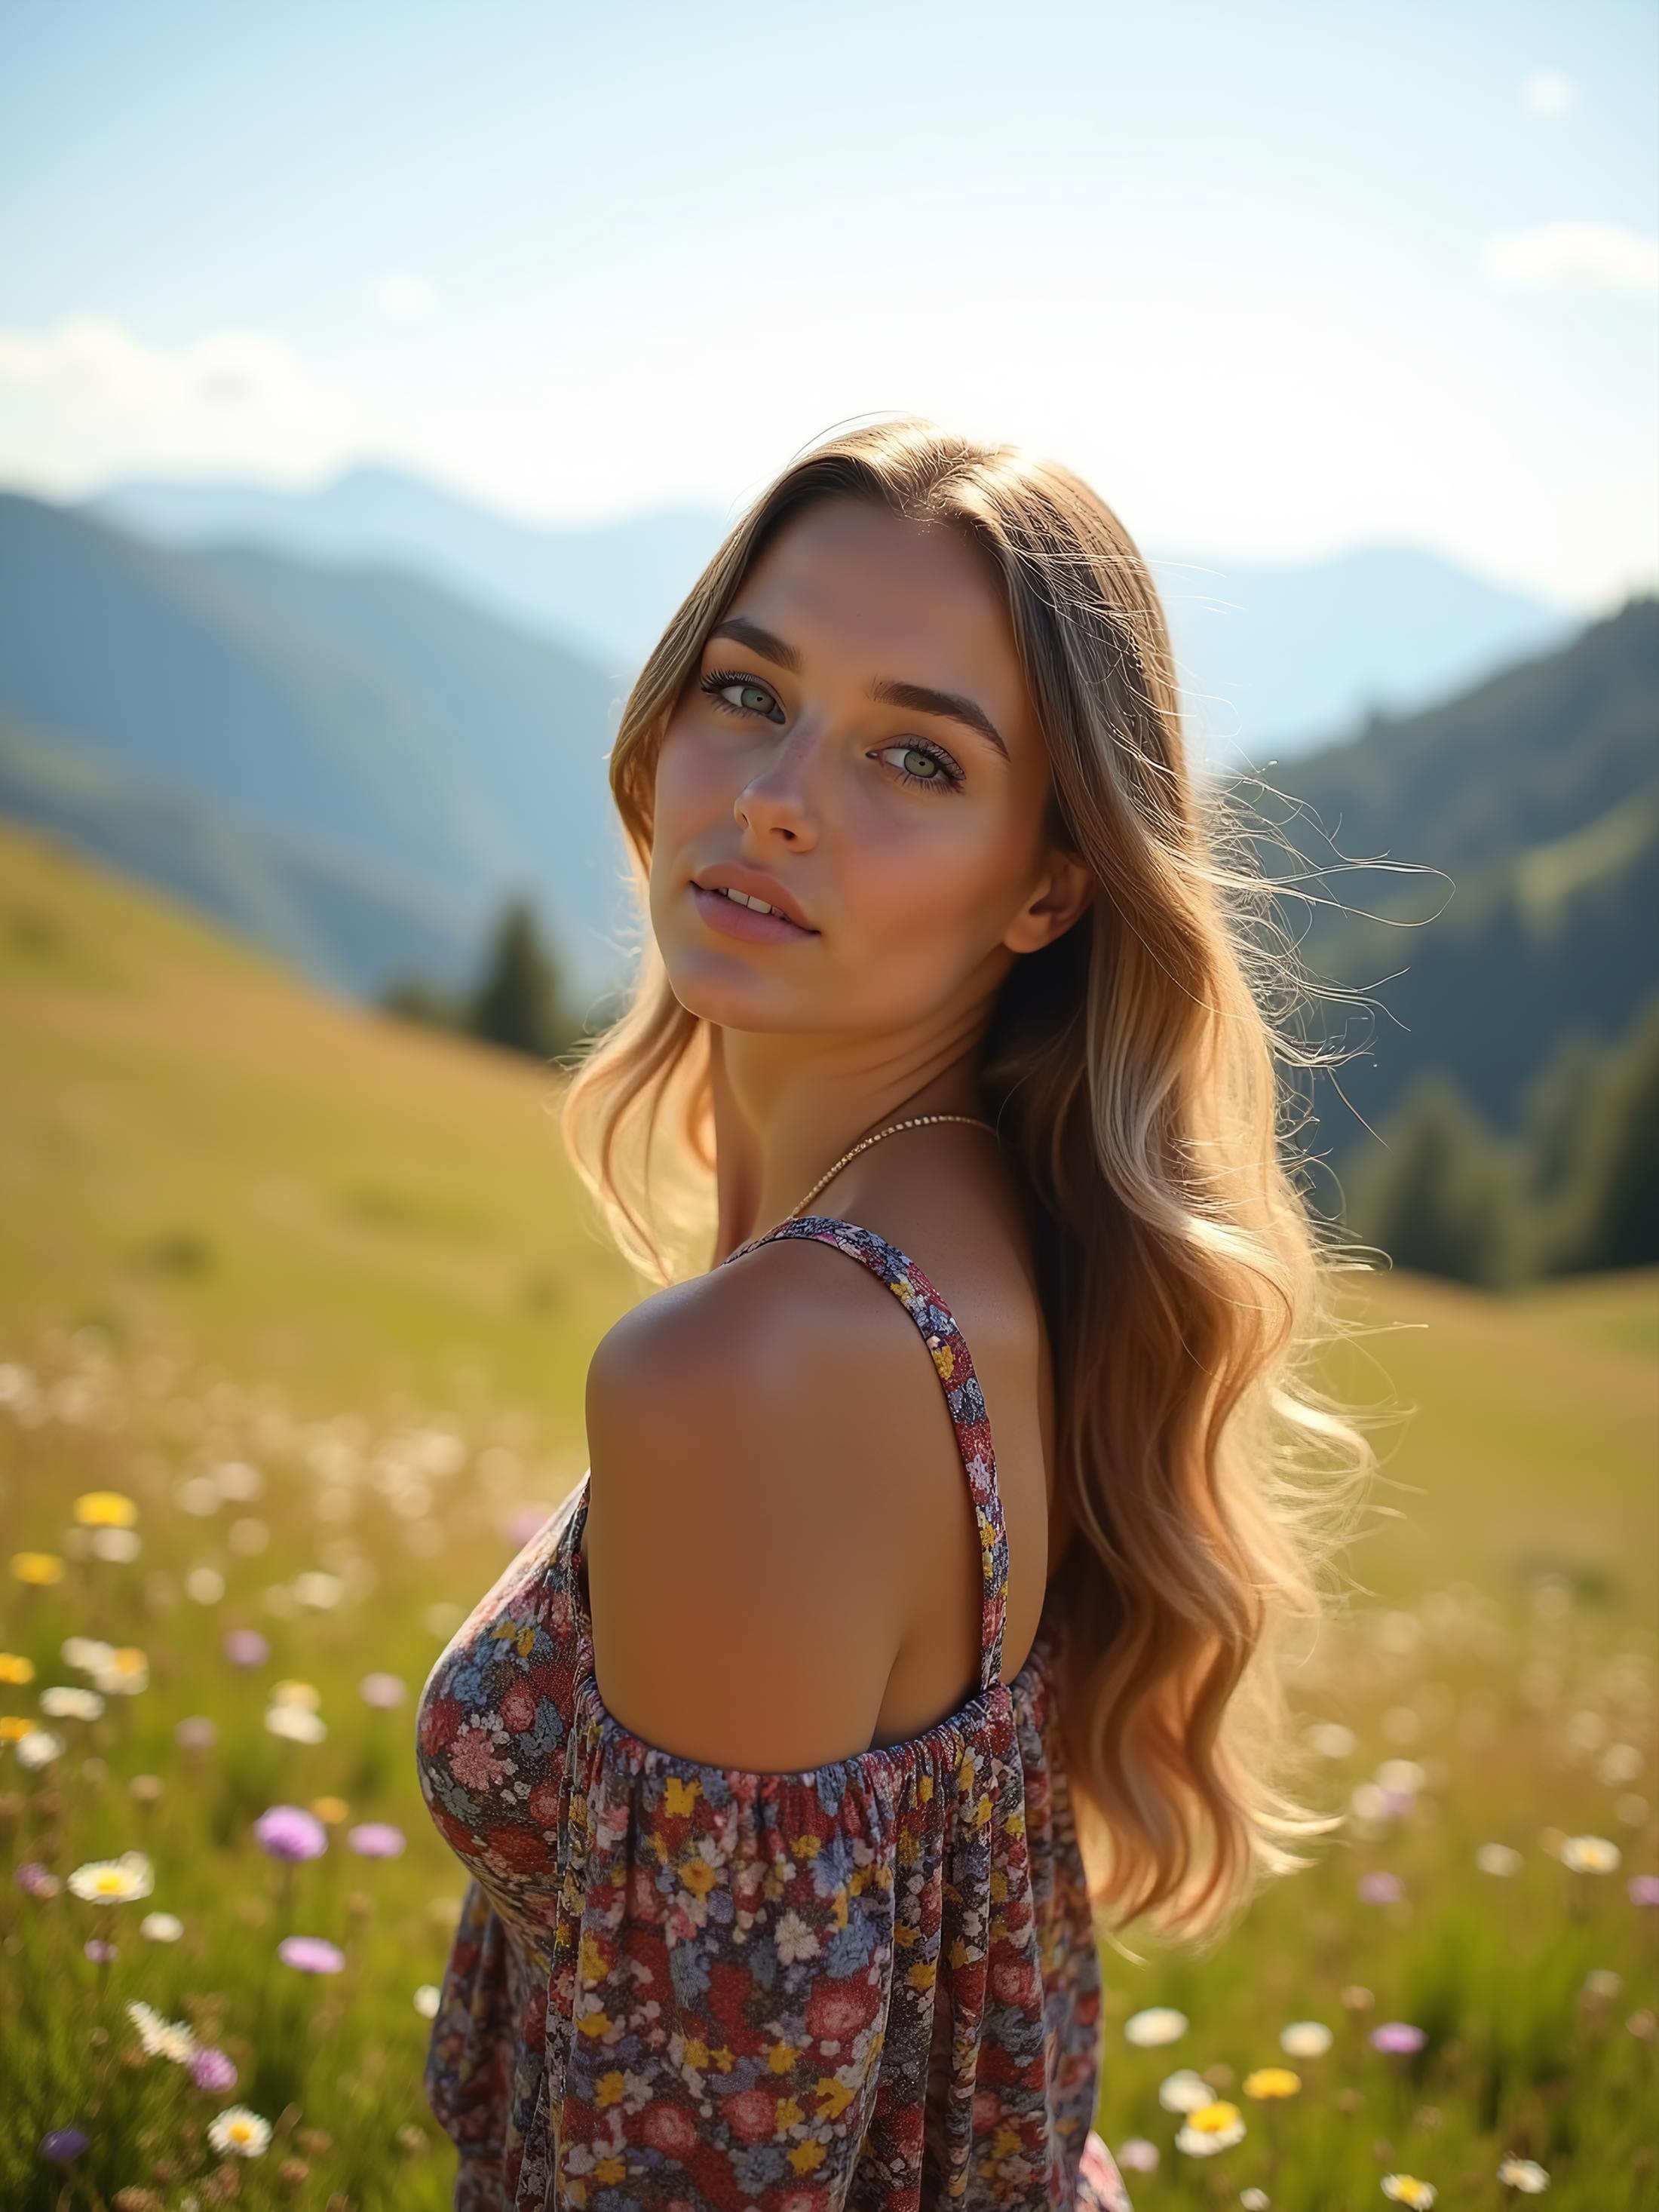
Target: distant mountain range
{"x":351,"y":761}
{"x":1273,"y":659}
{"x":1529,"y":809}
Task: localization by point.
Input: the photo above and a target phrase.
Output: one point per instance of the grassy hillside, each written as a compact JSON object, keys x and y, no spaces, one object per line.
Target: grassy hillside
{"x":305,"y":1298}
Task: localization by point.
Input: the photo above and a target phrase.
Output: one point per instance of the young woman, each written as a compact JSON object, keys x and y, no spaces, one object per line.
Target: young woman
{"x":801,"y":1760}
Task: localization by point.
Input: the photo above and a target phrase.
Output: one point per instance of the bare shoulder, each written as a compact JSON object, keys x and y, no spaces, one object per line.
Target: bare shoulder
{"x":752,"y":1540}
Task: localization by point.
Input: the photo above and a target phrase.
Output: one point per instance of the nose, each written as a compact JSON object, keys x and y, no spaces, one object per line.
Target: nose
{"x":774,"y":800}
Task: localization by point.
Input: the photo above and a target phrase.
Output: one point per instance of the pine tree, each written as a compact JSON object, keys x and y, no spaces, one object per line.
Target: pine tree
{"x":518,"y":1004}
{"x":1442,"y":1197}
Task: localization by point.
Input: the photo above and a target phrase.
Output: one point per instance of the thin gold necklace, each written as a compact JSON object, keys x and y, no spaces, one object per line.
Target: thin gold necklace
{"x":916,"y":1121}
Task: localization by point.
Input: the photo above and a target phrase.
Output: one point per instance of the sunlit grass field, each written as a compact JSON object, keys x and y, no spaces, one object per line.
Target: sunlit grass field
{"x":296,"y":1305}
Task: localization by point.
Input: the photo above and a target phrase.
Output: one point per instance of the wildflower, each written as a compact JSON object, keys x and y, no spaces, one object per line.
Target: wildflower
{"x":161,"y":2038}
{"x":1524,"y":2174}
{"x":1330,"y":1740}
{"x":145,"y":1789}
{"x":295,"y":1724}
{"x":113,"y":1881}
{"x":63,"y":2145}
{"x":1380,"y":1888}
{"x":1603,"y":1982}
{"x":376,"y":1840}
{"x":1137,"y":2155}
{"x":1305,"y":2039}
{"x":1589,"y":1855}
{"x":1498,"y":1859}
{"x":1356,"y":1998}
{"x":13,"y":1727}
{"x":1644,"y":1889}
{"x":321,"y":1592}
{"x":1398,"y":2035}
{"x":292,"y":1692}
{"x":211,"y":2070}
{"x":14,"y":1668}
{"x":310,"y":1955}
{"x":161,"y":1927}
{"x":196,"y":1732}
{"x":428,"y":1997}
{"x":246,"y":1647}
{"x":1405,"y":2189}
{"x":383,"y":1691}
{"x":63,"y":1702}
{"x":1185,"y":2092}
{"x":127,"y":1672}
{"x":238,"y":2129}
{"x":100,"y":1952}
{"x":86,"y":1654}
{"x":1254,"y":2200}
{"x":39,"y":1747}
{"x":333,"y":1812}
{"x":38,"y":1569}
{"x":1211,"y":2128}
{"x":121,"y":1546}
{"x":36,"y":1881}
{"x":1156,"y":2024}
{"x":288,"y":1833}
{"x":1271,"y":2081}
{"x":105,"y":1508}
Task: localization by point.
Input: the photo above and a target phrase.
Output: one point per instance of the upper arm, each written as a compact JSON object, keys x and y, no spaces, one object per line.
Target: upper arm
{"x":751,"y":1566}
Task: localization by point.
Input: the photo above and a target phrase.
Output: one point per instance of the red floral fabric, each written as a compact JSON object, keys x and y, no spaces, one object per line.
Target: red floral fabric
{"x":872,"y":1984}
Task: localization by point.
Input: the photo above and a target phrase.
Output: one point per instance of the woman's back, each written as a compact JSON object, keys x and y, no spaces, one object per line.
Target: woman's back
{"x":873,"y":1981}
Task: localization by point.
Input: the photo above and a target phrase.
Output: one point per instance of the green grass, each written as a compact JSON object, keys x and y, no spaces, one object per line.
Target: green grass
{"x":248,"y":1226}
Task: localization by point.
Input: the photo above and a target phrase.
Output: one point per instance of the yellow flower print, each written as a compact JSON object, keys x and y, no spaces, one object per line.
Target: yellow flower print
{"x":804,"y":2156}
{"x":723,"y":2058}
{"x":609,"y":2089}
{"x":921,"y":1975}
{"x":925,"y":1789}
{"x":781,"y":2056}
{"x":697,"y":2052}
{"x":594,"y":2024}
{"x":958,"y":1953}
{"x":679,"y":1797}
{"x":805,"y":1847}
{"x":520,"y":1636}
{"x":834,"y":2099}
{"x":945,"y":1361}
{"x":698,"y":1876}
{"x":902,"y":1292}
{"x":1005,"y":2141}
{"x":790,"y":2115}
{"x":610,"y":2169}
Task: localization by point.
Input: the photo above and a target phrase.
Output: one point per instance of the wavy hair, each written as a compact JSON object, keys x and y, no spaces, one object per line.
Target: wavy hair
{"x":1131,"y":1067}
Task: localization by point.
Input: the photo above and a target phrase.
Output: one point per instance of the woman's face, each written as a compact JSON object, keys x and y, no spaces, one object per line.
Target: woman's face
{"x":858,"y":730}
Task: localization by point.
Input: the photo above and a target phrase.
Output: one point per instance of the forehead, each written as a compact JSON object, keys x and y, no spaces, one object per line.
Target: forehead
{"x":860,"y":591}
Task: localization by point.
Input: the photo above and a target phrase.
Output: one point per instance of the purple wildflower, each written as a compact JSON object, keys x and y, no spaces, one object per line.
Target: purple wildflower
{"x":64,"y":2144}
{"x":37,"y":1879}
{"x":383,"y":1690}
{"x":246,"y":1647}
{"x":210,"y":2069}
{"x":100,"y":1952}
{"x":1380,"y":1889}
{"x":311,"y":1955}
{"x":1644,"y":1889}
{"x":196,"y":1732}
{"x":1397,"y":2035}
{"x":376,"y":1840}
{"x":289,"y":1832}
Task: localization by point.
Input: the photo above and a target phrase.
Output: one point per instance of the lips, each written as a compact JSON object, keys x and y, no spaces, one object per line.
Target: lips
{"x":730,"y":919}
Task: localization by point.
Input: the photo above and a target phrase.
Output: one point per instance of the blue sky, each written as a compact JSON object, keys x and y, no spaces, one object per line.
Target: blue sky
{"x":1277,"y":279}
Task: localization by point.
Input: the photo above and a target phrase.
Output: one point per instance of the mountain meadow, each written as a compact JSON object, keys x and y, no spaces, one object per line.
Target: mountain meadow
{"x":296,"y":1301}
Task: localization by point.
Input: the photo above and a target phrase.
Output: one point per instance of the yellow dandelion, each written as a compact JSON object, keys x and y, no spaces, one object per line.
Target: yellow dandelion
{"x":331,"y":1811}
{"x":14,"y":1668}
{"x":13,"y":1727}
{"x":105,"y":1508}
{"x":1271,"y":2081}
{"x":38,"y":1568}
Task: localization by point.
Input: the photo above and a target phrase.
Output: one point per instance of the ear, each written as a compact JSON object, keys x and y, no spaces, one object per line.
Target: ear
{"x":1064,"y":891}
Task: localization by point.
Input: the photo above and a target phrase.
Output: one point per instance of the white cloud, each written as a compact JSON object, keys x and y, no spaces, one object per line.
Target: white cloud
{"x":1593,"y":257}
{"x":86,"y":400}
{"x":1547,"y":93}
{"x":403,"y":299}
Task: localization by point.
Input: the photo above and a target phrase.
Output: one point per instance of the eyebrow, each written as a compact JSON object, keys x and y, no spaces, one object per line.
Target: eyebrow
{"x":921,"y":698}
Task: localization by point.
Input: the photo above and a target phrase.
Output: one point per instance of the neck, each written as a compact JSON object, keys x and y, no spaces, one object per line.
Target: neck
{"x":782,"y":1117}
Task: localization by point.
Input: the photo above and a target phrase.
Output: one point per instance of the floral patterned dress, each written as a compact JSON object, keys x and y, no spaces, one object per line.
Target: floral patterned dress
{"x":869,"y":1984}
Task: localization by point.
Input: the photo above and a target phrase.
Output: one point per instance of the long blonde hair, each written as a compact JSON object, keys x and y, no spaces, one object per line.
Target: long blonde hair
{"x":1130,"y":1067}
